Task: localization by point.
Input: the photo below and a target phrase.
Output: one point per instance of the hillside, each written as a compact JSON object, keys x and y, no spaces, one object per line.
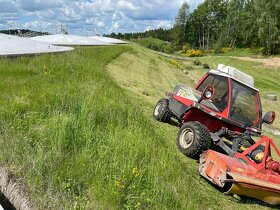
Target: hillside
{"x":154,"y":44}
{"x":76,"y":129}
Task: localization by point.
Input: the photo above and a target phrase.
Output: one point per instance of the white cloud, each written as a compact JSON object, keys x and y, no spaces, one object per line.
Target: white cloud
{"x":117,"y":16}
{"x":126,"y":5}
{"x":37,"y":5}
{"x":148,"y":28}
{"x":8,"y":7}
{"x":85,"y":16}
{"x":100,"y":24}
{"x":115,"y":25}
{"x":164,"y":24}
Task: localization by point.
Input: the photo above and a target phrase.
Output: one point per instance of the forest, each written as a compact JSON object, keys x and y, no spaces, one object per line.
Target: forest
{"x":222,"y":23}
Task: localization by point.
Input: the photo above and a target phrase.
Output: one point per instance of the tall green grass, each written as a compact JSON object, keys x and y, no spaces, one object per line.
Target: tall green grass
{"x":77,"y":140}
{"x":155,"y":44}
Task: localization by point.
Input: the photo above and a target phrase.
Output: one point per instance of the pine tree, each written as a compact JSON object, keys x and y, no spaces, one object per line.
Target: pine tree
{"x":179,"y":29}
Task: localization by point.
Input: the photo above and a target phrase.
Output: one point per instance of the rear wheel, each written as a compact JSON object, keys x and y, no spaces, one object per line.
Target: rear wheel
{"x":193,"y":138}
{"x":161,"y":110}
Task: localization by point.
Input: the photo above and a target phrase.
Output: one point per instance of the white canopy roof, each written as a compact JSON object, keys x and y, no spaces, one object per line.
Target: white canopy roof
{"x":236,"y":74}
{"x":65,"y":39}
{"x":108,"y":40}
{"x":13,"y":46}
{"x":230,"y":72}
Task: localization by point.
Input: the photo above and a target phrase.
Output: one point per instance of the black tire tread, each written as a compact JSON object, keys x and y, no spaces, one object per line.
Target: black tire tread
{"x":166,"y":114}
{"x":202,"y":140}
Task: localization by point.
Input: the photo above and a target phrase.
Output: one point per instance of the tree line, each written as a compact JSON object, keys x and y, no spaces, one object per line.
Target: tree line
{"x":22,"y":32}
{"x":163,"y":34}
{"x":223,"y":23}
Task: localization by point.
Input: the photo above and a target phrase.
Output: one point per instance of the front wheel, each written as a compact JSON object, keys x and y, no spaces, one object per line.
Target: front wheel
{"x":161,"y":111}
{"x":193,"y":138}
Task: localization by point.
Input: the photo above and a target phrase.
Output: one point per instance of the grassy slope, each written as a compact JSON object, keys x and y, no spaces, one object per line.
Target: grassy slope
{"x":139,"y":65}
{"x":148,"y":41}
{"x":80,"y":140}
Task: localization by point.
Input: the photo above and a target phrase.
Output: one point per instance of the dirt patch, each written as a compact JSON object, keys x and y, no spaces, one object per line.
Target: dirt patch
{"x":269,"y":62}
{"x":11,"y":193}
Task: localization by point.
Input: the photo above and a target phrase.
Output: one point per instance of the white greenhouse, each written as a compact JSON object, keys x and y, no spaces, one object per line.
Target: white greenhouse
{"x":16,"y":46}
{"x":108,"y":40}
{"x":68,"y":40}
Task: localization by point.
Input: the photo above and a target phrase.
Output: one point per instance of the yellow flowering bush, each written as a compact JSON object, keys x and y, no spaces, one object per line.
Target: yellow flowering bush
{"x":178,"y":64}
{"x":174,"y":62}
{"x":194,"y":53}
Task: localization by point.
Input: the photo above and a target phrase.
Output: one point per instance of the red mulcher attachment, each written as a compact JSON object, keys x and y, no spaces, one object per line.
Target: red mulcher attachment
{"x":253,"y":173}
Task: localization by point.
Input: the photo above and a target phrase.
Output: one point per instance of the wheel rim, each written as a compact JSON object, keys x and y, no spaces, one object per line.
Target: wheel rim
{"x":186,"y":138}
{"x":158,"y":109}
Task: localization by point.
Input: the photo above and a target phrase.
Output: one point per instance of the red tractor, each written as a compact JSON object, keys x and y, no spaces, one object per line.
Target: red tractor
{"x":219,"y":120}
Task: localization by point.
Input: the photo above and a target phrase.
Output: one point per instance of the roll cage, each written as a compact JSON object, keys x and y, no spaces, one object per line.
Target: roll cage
{"x":233,"y":100}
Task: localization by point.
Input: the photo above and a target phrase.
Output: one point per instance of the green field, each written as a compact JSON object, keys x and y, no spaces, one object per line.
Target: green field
{"x":77,"y":130}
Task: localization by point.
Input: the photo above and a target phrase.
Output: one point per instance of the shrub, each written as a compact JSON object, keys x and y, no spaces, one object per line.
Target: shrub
{"x":187,"y":69}
{"x":218,"y":51}
{"x":223,"y":50}
{"x":186,"y":47}
{"x":209,"y":51}
{"x":174,"y":62}
{"x":155,"y":44}
{"x":197,"y":62}
{"x":260,"y":50}
{"x":180,"y":51}
{"x":206,"y":66}
{"x":178,"y":64}
{"x":194,"y":53}
{"x":226,"y":49}
{"x":164,"y":47}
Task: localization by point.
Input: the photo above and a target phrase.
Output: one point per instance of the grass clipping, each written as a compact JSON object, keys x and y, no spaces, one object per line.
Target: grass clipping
{"x":12,"y":196}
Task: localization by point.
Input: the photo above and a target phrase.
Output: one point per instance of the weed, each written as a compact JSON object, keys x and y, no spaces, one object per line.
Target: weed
{"x":197,"y":62}
{"x":206,"y":66}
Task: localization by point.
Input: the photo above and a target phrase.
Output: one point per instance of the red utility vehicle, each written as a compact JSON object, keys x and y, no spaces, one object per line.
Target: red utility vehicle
{"x":219,"y":119}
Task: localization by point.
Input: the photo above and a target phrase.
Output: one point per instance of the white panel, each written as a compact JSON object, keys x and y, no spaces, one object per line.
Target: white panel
{"x":13,"y":45}
{"x":236,"y":74}
{"x":108,"y":40}
{"x":70,"y":40}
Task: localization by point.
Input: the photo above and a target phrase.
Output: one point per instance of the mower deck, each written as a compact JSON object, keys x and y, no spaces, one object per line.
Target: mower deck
{"x":235,"y":176}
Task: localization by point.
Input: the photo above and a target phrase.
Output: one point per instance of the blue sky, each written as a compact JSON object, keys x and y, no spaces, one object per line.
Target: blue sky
{"x":88,"y":17}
